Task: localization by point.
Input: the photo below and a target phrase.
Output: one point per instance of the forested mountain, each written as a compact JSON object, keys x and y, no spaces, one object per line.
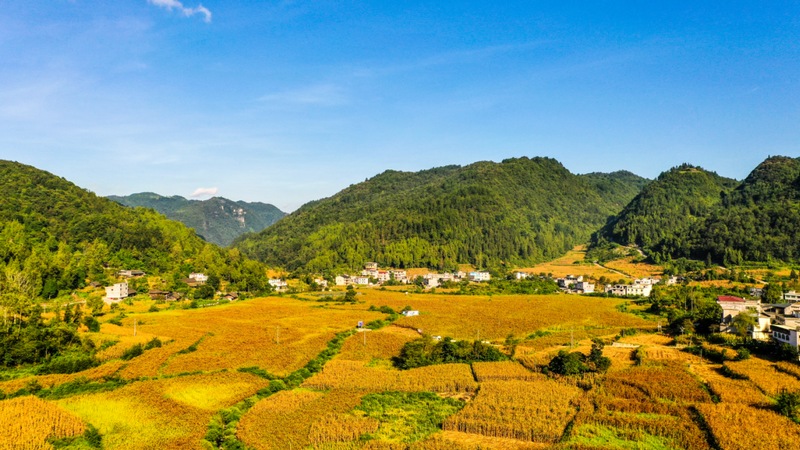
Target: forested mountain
{"x":55,"y":236}
{"x":519,"y":211}
{"x":666,"y":209}
{"x":688,"y":212}
{"x":217,"y":220}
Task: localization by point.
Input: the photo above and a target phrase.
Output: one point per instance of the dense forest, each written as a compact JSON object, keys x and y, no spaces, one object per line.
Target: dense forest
{"x":217,"y":220}
{"x":692,"y":213}
{"x":56,"y":237}
{"x":516,"y":212}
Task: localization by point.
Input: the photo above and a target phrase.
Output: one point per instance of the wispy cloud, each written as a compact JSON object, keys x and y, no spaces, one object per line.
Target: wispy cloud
{"x":186,"y":11}
{"x":314,"y":95}
{"x":204,"y":192}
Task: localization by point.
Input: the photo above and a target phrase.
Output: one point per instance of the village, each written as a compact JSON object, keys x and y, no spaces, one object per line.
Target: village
{"x":779,"y":321}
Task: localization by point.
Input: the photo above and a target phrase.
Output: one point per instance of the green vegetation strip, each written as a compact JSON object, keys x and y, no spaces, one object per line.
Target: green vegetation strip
{"x":221,"y":432}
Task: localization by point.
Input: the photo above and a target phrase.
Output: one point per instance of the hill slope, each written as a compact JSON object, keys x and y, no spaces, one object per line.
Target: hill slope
{"x":218,"y":219}
{"x":519,"y":211}
{"x":57,"y":236}
{"x":689,"y":212}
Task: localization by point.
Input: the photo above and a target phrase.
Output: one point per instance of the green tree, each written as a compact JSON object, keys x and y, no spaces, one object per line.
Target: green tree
{"x":743,"y":323}
{"x":772,"y":293}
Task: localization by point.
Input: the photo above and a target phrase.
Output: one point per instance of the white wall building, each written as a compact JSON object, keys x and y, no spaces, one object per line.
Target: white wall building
{"x":479,"y":276}
{"x":116,"y":293}
{"x":198,"y":277}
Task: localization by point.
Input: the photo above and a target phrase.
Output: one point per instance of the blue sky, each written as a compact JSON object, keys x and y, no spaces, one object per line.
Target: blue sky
{"x":289,"y":101}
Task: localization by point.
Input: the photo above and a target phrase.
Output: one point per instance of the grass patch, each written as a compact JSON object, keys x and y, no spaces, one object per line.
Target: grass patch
{"x":600,"y":436}
{"x":407,"y":416}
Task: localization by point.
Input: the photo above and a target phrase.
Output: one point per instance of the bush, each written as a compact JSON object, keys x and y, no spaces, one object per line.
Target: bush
{"x":132,"y":352}
{"x":92,"y":324}
{"x":70,"y":362}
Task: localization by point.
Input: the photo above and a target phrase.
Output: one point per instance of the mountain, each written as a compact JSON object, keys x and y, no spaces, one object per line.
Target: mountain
{"x":759,"y":220}
{"x":218,"y":219}
{"x":666,"y":209}
{"x":689,"y":212}
{"x":55,"y":236}
{"x":519,"y":211}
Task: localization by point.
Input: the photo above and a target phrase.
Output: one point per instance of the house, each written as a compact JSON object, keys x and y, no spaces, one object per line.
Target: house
{"x":584,"y":287}
{"x":362,"y":281}
{"x":383,"y":276}
{"x":521,"y":275}
{"x":431,"y":281}
{"x":232,"y":296}
{"x":410,"y":313}
{"x":321,"y":282}
{"x":399,"y":275}
{"x":116,"y":293}
{"x":624,"y":290}
{"x":278,"y":284}
{"x":479,"y":276}
{"x":199,"y":278}
{"x":785,"y":334}
{"x":342,"y":280}
{"x":732,"y":307}
{"x":566,"y":282}
{"x":158,"y":294}
{"x":791,"y":296}
{"x":371,"y":266}
{"x":130,"y":273}
{"x":651,"y":281}
{"x":672,"y":280}
{"x":371,"y":273}
{"x":756,"y":292}
{"x":174,"y":297}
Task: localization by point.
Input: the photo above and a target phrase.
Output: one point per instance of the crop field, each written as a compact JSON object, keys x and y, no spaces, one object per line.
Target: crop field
{"x":573,"y":263}
{"x":170,"y":413}
{"x":168,"y":395}
{"x":495,"y":317}
{"x":27,"y":422}
{"x":635,"y":269}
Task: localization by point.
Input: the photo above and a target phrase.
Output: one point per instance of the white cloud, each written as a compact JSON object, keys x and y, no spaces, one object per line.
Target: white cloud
{"x":186,"y":11}
{"x":318,"y":94}
{"x":204,"y":192}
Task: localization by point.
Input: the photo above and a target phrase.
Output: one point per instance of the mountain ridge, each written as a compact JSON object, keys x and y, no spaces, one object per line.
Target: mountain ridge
{"x":218,"y":219}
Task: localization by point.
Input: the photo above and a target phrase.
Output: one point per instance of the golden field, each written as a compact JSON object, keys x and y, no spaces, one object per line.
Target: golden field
{"x":171,"y":393}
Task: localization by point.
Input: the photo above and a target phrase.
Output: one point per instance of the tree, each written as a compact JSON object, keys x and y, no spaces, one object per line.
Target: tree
{"x":566,"y":363}
{"x":772,"y":293}
{"x":350,"y":295}
{"x":743,"y":323}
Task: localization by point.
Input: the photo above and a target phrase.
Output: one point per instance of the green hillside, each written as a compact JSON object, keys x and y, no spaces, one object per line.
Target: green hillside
{"x":519,"y":211}
{"x":217,"y":220}
{"x":55,"y":237}
{"x":665,"y":211}
{"x":689,"y":212}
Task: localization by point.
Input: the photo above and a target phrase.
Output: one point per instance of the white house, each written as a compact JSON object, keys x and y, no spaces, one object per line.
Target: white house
{"x":520,"y":275}
{"x":364,"y":281}
{"x":785,"y":334}
{"x":399,"y":275}
{"x":410,"y":313}
{"x":733,"y":306}
{"x":479,"y":276}
{"x":371,"y":265}
{"x":584,"y":287}
{"x":198,"y":277}
{"x":383,"y":276}
{"x":130,"y":273}
{"x":116,"y":293}
{"x":278,"y":284}
{"x":342,"y":280}
{"x":321,"y":282}
{"x":629,"y":289}
{"x":791,"y":296}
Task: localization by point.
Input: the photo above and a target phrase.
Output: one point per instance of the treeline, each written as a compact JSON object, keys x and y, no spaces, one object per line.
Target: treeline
{"x":487,"y":214}
{"x":691,"y":213}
